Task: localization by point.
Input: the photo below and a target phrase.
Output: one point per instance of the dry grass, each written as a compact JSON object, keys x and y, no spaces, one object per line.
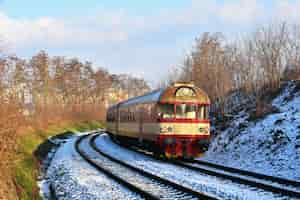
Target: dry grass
{"x":9,"y":121}
{"x":20,"y":136}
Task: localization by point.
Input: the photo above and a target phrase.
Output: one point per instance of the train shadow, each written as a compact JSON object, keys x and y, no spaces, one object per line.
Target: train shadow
{"x":133,"y":153}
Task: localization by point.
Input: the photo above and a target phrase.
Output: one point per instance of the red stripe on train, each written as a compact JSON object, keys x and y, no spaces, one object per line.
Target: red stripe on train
{"x":183,"y":136}
{"x":183,"y":121}
{"x":185,"y":102}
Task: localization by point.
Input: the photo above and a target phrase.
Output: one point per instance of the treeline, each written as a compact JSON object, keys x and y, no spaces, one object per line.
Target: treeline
{"x":53,"y":88}
{"x":255,"y":64}
{"x":48,"y":90}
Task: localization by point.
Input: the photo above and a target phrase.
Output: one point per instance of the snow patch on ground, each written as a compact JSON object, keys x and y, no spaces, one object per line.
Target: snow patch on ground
{"x":270,"y":145}
{"x":72,"y":178}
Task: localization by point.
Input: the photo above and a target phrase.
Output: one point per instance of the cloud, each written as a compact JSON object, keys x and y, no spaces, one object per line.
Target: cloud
{"x":128,"y":42}
{"x":55,"y":32}
{"x":241,"y":12}
{"x":287,"y":10}
{"x":115,"y":26}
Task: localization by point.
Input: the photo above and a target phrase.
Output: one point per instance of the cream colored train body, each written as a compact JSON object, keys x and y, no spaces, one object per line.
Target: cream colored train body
{"x":171,"y":121}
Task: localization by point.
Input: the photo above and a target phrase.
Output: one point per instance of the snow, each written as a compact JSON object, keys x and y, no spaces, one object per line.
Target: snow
{"x":44,"y":189}
{"x":270,"y":145}
{"x":72,"y":178}
{"x":223,"y":189}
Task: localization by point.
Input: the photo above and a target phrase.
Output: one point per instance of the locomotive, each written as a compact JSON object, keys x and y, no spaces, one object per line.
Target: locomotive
{"x":173,"y":122}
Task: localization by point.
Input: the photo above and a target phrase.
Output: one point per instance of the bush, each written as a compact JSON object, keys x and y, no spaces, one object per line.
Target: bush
{"x":262,"y":109}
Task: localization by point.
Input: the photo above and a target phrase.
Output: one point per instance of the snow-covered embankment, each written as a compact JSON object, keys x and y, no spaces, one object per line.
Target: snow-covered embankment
{"x":270,"y":145}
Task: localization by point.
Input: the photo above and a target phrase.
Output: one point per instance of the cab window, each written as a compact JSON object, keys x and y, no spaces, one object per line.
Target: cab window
{"x":186,"y":111}
{"x":203,"y":112}
{"x":165,"y":111}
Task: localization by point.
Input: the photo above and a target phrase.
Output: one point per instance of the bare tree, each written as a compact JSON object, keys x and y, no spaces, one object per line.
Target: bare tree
{"x":270,"y":44}
{"x":210,"y":67}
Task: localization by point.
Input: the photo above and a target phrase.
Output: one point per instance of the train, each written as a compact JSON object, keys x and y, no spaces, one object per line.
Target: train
{"x":172,"y":122}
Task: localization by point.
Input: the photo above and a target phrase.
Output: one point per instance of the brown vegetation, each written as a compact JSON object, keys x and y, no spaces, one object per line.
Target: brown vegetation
{"x":256,"y":64}
{"x":45,"y":91}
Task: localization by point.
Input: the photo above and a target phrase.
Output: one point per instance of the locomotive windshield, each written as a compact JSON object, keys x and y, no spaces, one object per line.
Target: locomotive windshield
{"x":183,"y":111}
{"x":186,"y":111}
{"x":191,"y":111}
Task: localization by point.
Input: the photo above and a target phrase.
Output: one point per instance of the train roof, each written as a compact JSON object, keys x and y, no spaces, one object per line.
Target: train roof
{"x":151,"y":97}
{"x":177,"y":93}
{"x":185,"y":93}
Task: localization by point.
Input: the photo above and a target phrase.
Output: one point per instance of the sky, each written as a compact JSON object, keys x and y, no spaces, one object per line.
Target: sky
{"x":143,"y":38}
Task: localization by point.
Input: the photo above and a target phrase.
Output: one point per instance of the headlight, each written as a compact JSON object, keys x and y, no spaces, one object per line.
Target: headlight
{"x":166,"y":129}
{"x":163,"y":129}
{"x":204,"y":130}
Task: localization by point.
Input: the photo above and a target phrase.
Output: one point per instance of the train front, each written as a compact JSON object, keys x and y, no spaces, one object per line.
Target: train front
{"x":183,"y":113}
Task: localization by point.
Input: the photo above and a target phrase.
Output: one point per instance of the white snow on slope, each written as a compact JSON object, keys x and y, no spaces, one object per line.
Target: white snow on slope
{"x":223,"y":189}
{"x":270,"y":145}
{"x":72,"y":178}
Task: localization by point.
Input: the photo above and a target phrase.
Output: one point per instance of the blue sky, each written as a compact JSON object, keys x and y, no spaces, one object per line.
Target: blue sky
{"x":144,"y":38}
{"x":35,"y":8}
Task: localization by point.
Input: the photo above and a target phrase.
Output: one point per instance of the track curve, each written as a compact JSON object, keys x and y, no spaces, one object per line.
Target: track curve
{"x":175,"y":189}
{"x":132,"y":187}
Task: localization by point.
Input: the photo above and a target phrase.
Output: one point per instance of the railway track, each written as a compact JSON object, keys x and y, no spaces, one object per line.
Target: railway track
{"x":249,"y":173}
{"x":147,"y":185}
{"x":268,"y":183}
{"x":272,"y":184}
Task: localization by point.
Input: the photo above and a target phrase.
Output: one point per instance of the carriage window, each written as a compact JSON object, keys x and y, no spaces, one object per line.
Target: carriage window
{"x":166,"y":111}
{"x":186,"y":111}
{"x":203,"y":112}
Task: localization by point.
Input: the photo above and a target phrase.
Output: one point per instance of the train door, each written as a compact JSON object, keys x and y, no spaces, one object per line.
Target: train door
{"x":140,"y":108}
{"x":118,"y":119}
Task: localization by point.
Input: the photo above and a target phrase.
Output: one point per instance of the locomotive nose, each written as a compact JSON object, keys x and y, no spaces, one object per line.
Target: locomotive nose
{"x":170,"y":140}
